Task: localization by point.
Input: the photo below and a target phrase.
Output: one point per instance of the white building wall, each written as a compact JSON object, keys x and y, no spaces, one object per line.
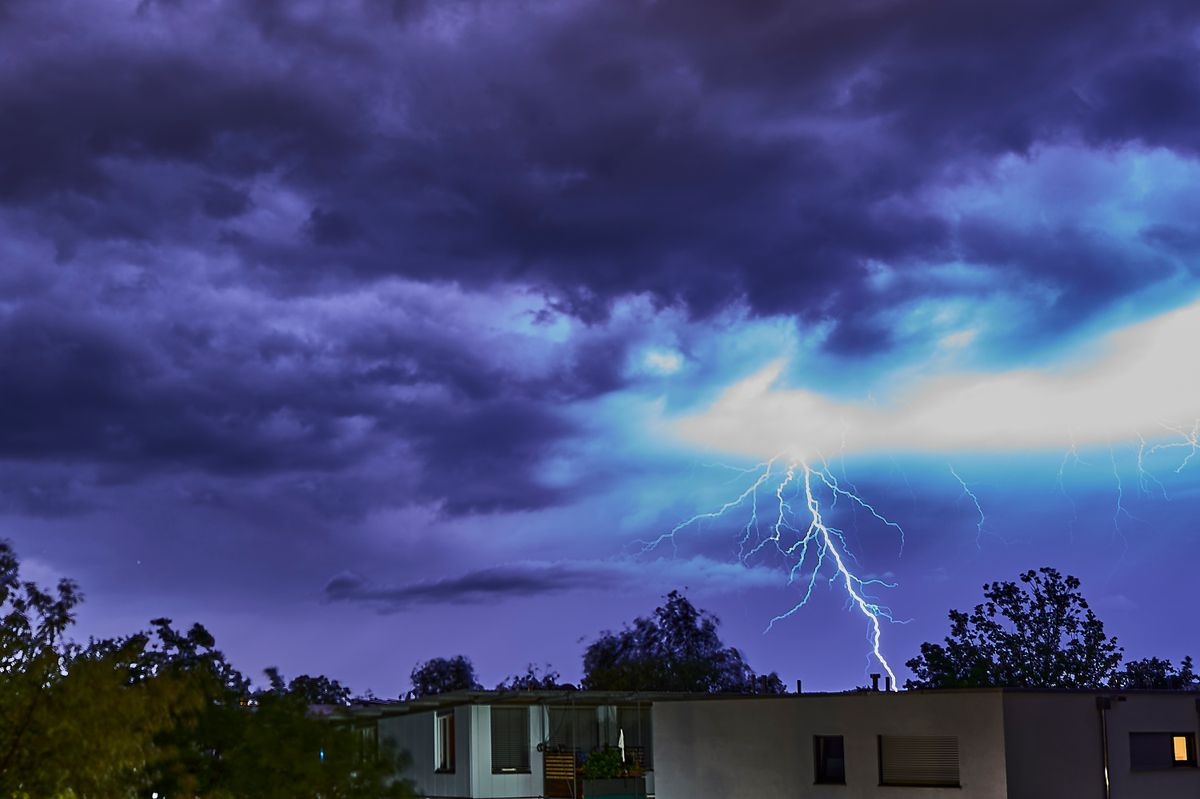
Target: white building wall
{"x":415,"y":734}
{"x":1174,"y":713}
{"x":762,"y":748}
{"x":1054,"y":745}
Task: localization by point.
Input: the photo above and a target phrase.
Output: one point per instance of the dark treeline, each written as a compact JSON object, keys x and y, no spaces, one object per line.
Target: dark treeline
{"x":162,"y":711}
{"x":676,"y":648}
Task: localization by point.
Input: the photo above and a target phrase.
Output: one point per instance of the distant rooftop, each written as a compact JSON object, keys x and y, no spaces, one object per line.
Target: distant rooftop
{"x":400,"y":707}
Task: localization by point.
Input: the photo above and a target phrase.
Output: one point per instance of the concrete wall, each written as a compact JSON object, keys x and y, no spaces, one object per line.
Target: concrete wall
{"x":1054,"y":750}
{"x":1052,"y":742}
{"x":414,"y":733}
{"x":1175,"y":713}
{"x":762,"y":748}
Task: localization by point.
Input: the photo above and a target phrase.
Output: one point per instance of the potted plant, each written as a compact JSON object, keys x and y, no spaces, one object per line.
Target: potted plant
{"x":606,"y":774}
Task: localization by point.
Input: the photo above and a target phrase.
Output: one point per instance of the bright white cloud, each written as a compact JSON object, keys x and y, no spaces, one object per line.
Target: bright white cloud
{"x":663,"y":362}
{"x":1141,"y":380}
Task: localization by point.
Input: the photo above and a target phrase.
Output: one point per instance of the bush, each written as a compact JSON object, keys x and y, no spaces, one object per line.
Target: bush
{"x":603,"y":764}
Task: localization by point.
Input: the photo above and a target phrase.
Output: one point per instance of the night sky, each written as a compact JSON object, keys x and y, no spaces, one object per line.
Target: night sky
{"x":364,"y":332}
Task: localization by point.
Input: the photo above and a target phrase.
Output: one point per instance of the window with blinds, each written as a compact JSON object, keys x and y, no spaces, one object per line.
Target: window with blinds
{"x":510,"y":740}
{"x":925,"y":761}
{"x":573,"y":728}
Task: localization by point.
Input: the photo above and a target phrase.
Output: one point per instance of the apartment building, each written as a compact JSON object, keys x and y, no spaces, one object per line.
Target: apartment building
{"x":974,"y":744}
{"x":511,"y":744}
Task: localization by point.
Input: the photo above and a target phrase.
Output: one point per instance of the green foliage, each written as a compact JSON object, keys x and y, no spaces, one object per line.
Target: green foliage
{"x":441,"y":675}
{"x":162,"y":711}
{"x":1039,"y":634}
{"x":603,"y":764}
{"x":677,"y":649}
{"x":71,"y":722}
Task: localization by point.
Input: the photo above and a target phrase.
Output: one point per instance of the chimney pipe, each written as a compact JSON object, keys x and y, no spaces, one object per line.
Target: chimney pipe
{"x":875,"y":682}
{"x":799,"y":687}
{"x":887,"y":683}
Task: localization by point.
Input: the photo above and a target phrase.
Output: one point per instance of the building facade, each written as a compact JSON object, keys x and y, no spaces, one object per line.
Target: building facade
{"x":975,"y":744}
{"x":510,"y":745}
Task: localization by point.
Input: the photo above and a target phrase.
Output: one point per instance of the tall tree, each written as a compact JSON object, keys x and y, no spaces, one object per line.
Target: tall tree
{"x":244,"y":744}
{"x":675,"y":649}
{"x":1039,"y":633}
{"x":73,"y":719}
{"x":159,"y":712}
{"x":319,"y":690}
{"x":440,"y":675}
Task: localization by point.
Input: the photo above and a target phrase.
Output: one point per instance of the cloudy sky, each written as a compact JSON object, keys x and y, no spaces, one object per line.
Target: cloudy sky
{"x":364,"y":332}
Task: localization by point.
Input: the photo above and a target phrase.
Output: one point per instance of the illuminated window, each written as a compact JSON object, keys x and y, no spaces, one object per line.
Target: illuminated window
{"x":1154,"y":751}
{"x":443,"y":742}
{"x":830,"y":754}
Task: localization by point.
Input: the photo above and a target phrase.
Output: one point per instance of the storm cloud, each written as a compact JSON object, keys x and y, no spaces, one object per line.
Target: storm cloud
{"x":429,"y":286}
{"x":767,"y":156}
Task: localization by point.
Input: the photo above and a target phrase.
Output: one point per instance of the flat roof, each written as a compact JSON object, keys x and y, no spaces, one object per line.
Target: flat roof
{"x":400,"y":707}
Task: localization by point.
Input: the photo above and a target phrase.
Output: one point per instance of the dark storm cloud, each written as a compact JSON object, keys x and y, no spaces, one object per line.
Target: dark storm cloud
{"x":245,"y":405}
{"x":162,"y":162}
{"x":75,"y":391}
{"x":540,"y":578}
{"x":484,"y":585}
{"x":699,"y":152}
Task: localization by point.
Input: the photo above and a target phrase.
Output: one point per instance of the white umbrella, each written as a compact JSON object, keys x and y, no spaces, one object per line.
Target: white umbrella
{"x":621,"y":744}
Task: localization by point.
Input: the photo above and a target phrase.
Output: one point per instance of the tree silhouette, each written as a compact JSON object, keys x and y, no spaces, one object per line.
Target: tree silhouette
{"x":1038,"y":634}
{"x":439,"y":675}
{"x":534,"y":679}
{"x":676,"y":649}
{"x":1157,"y":673}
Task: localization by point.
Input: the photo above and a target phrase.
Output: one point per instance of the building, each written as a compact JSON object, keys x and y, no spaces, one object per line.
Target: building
{"x":984,"y":744}
{"x":510,"y":744}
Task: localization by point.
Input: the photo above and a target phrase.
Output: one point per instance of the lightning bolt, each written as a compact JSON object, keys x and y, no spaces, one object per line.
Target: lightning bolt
{"x":1119,"y":508}
{"x":800,"y":533}
{"x":1145,"y":474}
{"x":1071,"y":455}
{"x":1190,"y":441}
{"x":975,"y":499}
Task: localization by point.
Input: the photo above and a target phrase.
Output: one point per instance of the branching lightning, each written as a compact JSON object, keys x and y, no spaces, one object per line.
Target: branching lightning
{"x":1144,"y":474}
{"x":799,"y":532}
{"x":1072,"y":456}
{"x":1190,"y":441}
{"x":788,"y":503}
{"x":966,"y":489}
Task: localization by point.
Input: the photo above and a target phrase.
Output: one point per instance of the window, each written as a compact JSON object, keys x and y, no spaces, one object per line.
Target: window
{"x":510,"y":740}
{"x":443,"y":742}
{"x":1182,"y":750}
{"x":1153,"y":751}
{"x":930,"y":761}
{"x":573,"y":728}
{"x":635,"y":721}
{"x":830,"y":754}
